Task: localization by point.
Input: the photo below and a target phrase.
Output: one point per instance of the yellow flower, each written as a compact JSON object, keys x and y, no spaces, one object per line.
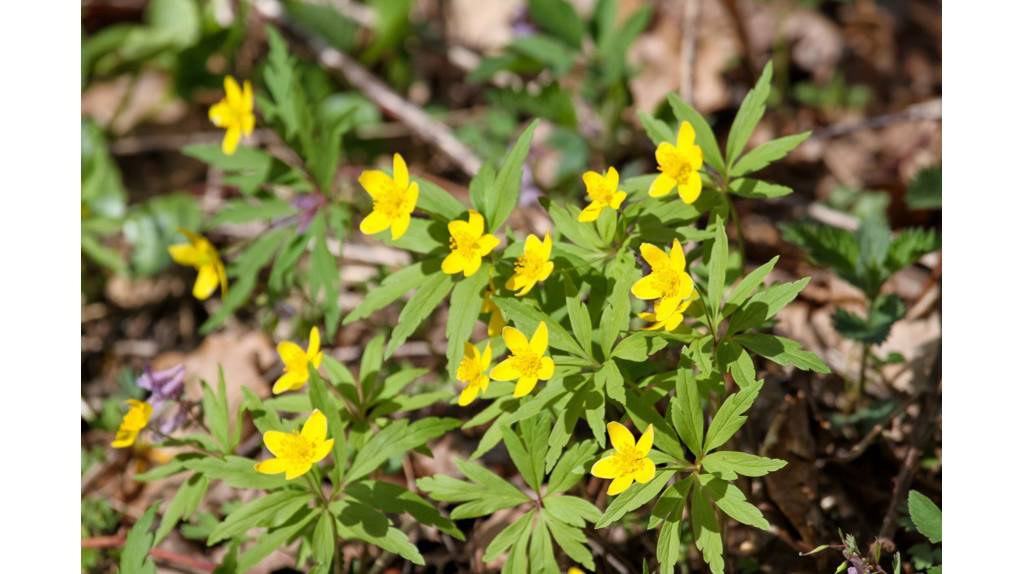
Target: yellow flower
{"x":532,"y":266}
{"x":527,"y":363}
{"x":394,"y":199}
{"x":133,"y":422}
{"x":630,"y":460}
{"x":473,"y":372}
{"x":296,"y":452}
{"x":202,"y":255}
{"x":574,"y":570}
{"x":603,"y":191}
{"x":234,"y":113}
{"x":668,"y":281}
{"x":469,"y":244}
{"x":679,"y":165}
{"x":496,"y":322}
{"x":298,"y":362}
{"x":671,"y":318}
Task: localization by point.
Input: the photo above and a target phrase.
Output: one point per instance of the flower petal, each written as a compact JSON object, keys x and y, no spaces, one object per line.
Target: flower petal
{"x":452,"y":264}
{"x":314,"y":342}
{"x":643,"y":446}
{"x":618,"y":198}
{"x":590,"y":212}
{"x":270,"y":466}
{"x":184,"y":254}
{"x":524,"y":385}
{"x":485,"y":360}
{"x":476,"y":223}
{"x":291,"y":354}
{"x":374,"y":182}
{"x":295,"y":469}
{"x":322,"y":450}
{"x":539,"y":341}
{"x":690,"y":191}
{"x":646,"y":472}
{"x":487,"y":243}
{"x":515,"y":340}
{"x":547,"y":368}
{"x":374,"y":223}
{"x":685,"y":136}
{"x":206,"y":282}
{"x":612,"y":177}
{"x":505,"y":370}
{"x":621,"y":438}
{"x":661,"y":185}
{"x":277,"y":441}
{"x":620,"y":484}
{"x":607,"y":467}
{"x":646,"y":288}
{"x":401,"y":171}
{"x":231,"y":138}
{"x":219,"y":113}
{"x":654,"y":256}
{"x":232,"y":92}
{"x":289,"y":381}
{"x":399,"y":226}
{"x":472,"y":265}
{"x":315,"y":427}
{"x":468,"y":395}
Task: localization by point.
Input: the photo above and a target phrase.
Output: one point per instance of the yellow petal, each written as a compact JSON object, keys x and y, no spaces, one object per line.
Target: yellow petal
{"x":505,"y":370}
{"x":458,"y":227}
{"x":523,"y":386}
{"x":374,"y":223}
{"x":401,"y":171}
{"x":219,"y":113}
{"x":485,"y":361}
{"x":546,"y":270}
{"x":291,"y":380}
{"x":620,"y":484}
{"x":314,"y":342}
{"x":545,"y":246}
{"x":124,"y":438}
{"x":612,"y":178}
{"x":643,"y":446}
{"x":661,"y":185}
{"x":533,"y":244}
{"x":654,"y":256}
{"x":487,"y":244}
{"x":618,"y":198}
{"x":276,"y":441}
{"x":646,"y":288}
{"x":232,"y":92}
{"x":607,"y":467}
{"x":685,"y":136}
{"x":184,"y":254}
{"x":231,"y":137}
{"x":547,"y":368}
{"x":539,"y":341}
{"x":646,"y":472}
{"x":690,"y":191}
{"x":476,"y":223}
{"x":315,"y":427}
{"x":515,"y":340}
{"x":468,"y":395}
{"x":452,"y":264}
{"x":677,"y":256}
{"x":291,"y":354}
{"x":472,"y":265}
{"x":247,"y":99}
{"x":270,"y":466}
{"x":495,"y":324}
{"x":411,"y":197}
{"x":322,"y":450}
{"x":621,"y":438}
{"x":222,"y":278}
{"x":399,"y":226}
{"x":470,"y":350}
{"x":374,"y":182}
{"x":206,"y":282}
{"x":696,"y":157}
{"x":295,"y":469}
{"x":590,"y":213}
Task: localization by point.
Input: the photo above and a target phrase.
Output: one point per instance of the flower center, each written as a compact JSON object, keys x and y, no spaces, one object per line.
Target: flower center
{"x":528,"y":364}
{"x":530,"y":265}
{"x":667,"y":282}
{"x":678,"y":168}
{"x":297,"y":447}
{"x":603,"y":194}
{"x":464,"y":244}
{"x":630,"y":461}
{"x":390,"y":201}
{"x":469,"y":371}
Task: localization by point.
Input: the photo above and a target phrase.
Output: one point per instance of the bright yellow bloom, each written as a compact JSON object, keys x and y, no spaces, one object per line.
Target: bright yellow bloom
{"x":394,"y":199}
{"x":202,"y":255}
{"x":603,"y":191}
{"x":296,"y":452}
{"x":528,"y":362}
{"x":496,"y":322}
{"x":297,"y":363}
{"x":469,"y":244}
{"x":234,"y":113}
{"x":532,"y":266}
{"x":133,"y":422}
{"x":574,"y":570}
{"x":670,"y":318}
{"x":668,"y":281}
{"x":630,"y":460}
{"x":679,"y":165}
{"x":473,"y":372}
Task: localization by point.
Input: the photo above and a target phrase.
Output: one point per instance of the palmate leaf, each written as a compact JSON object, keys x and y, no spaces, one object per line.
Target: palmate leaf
{"x":730,"y":500}
{"x":353,"y":519}
{"x":396,"y":439}
{"x":765,"y":304}
{"x":259,"y":512}
{"x":184,"y":503}
{"x":729,"y":464}
{"x":686,"y":412}
{"x":766,"y":153}
{"x":390,"y":290}
{"x":634,"y":497}
{"x":275,"y":538}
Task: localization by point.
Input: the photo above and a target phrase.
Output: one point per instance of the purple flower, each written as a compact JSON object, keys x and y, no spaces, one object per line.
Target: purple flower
{"x":168,"y":423}
{"x":163,"y":385}
{"x":307,"y":204}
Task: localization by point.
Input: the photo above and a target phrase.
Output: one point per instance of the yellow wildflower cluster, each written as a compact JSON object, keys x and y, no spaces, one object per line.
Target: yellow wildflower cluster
{"x":295,"y":453}
{"x":527,"y":364}
{"x":630,"y":462}
{"x":668,"y":284}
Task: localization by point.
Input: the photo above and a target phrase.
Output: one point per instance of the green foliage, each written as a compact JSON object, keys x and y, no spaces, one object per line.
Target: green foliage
{"x":135,"y":555}
{"x":926,"y":515}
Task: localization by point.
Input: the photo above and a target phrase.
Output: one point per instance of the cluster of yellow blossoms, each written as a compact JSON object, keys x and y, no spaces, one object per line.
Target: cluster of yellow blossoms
{"x":668,"y":284}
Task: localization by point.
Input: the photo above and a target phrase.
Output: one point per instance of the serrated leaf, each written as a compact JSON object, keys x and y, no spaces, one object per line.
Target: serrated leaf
{"x":610,"y":379}
{"x":390,"y":290}
{"x":509,"y":536}
{"x":397,"y":439}
{"x":433,"y":289}
{"x":634,"y":497}
{"x":571,"y":467}
{"x":925,"y":190}
{"x":274,"y":539}
{"x":558,"y":17}
{"x":570,"y":539}
{"x":716,"y":268}
{"x":686,"y":412}
{"x":926,"y":515}
{"x":257,"y":513}
{"x":730,"y":500}
{"x":184,"y":503}
{"x":572,"y":510}
{"x":882,"y":315}
{"x":750,"y":113}
{"x":135,"y":554}
{"x":783,"y":351}
{"x":764,"y":304}
{"x":579,"y":320}
{"x":706,"y":531}
{"x":657,"y":130}
{"x":748,"y":285}
{"x":509,"y":179}
{"x":323,"y":539}
{"x":730,"y":417}
{"x":766,"y":153}
{"x":527,"y":318}
{"x":729,"y":463}
{"x":758,"y":189}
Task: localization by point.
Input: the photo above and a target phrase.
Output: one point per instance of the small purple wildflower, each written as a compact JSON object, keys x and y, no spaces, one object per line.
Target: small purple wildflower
{"x":163,"y":385}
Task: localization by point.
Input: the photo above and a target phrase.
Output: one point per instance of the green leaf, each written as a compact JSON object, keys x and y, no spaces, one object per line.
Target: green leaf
{"x":323,"y":539}
{"x":463,"y":311}
{"x":524,"y":463}
{"x":669,"y":539}
{"x":571,"y":540}
{"x":215,"y":411}
{"x":579,"y":319}
{"x":324,"y":274}
{"x":765,"y":304}
{"x":730,"y":500}
{"x":567,"y":224}
{"x":396,"y":439}
{"x":705,"y":137}
{"x":527,"y":318}
{"x":390,"y":290}
{"x":641,"y":410}
{"x":925,"y":190}
{"x":610,"y":379}
{"x":637,"y":347}
{"x":135,"y":554}
{"x":783,"y":351}
{"x":909,"y":246}
{"x":520,"y":529}
{"x":259,"y":512}
{"x":243,"y":211}
{"x":572,"y":510}
{"x":730,"y":417}
{"x":435,"y":200}
{"x":634,"y":497}
{"x":716,"y":268}
{"x":758,"y":189}
{"x":324,"y":21}
{"x":686,"y":412}
{"x":749,"y":114}
{"x":826,"y":246}
{"x":729,"y":463}
{"x":275,"y":539}
{"x":927,"y":517}
{"x":571,"y":467}
{"x":184,"y":503}
{"x":706,"y":531}
{"x":737,"y":362}
{"x":748,"y":285}
{"x":235,"y":471}
{"x":392,"y":498}
{"x":883,"y":314}
{"x":559,"y":18}
{"x":433,"y":289}
{"x":509,"y":179}
{"x":542,"y":552}
{"x":764,"y":154}
{"x":657,"y":130}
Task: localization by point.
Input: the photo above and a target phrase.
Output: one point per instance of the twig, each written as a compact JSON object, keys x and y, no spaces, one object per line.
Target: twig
{"x":117,"y":540}
{"x":929,"y":111}
{"x":688,"y":51}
